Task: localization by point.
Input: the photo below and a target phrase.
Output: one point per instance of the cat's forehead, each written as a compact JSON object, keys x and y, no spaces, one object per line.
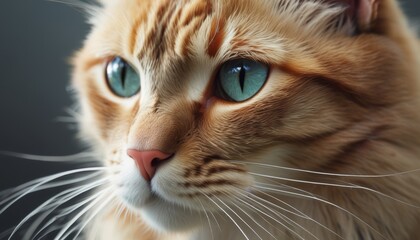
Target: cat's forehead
{"x":219,"y":29}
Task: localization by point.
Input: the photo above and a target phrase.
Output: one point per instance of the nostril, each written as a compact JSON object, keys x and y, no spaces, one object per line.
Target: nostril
{"x":148,"y":161}
{"x":155,"y":162}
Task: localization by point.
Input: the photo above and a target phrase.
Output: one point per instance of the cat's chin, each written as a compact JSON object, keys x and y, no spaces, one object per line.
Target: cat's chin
{"x":169,"y":217}
{"x":164,"y":216}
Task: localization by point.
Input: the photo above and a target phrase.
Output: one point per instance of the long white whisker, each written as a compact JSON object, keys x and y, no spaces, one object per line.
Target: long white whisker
{"x":267,"y":215}
{"x":284,"y":186}
{"x":74,"y":192}
{"x":94,"y":214}
{"x":96,"y":199}
{"x":234,"y":222}
{"x":21,"y":189}
{"x":49,"y":179}
{"x":36,"y":181}
{"x":297,"y":210}
{"x":326,"y":202}
{"x":39,"y":208}
{"x":327,"y":173}
{"x":66,"y":212}
{"x":85,"y":7}
{"x":239,"y":217}
{"x":77,"y":157}
{"x":208,"y":219}
{"x":347,"y":185}
{"x":250,"y":217}
{"x":299,"y":214}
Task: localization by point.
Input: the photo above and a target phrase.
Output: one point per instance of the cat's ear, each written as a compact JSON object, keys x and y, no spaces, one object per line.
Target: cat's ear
{"x":363,"y":13}
{"x":367,"y":12}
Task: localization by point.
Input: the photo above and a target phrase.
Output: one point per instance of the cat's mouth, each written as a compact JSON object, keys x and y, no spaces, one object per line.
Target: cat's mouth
{"x":146,"y":199}
{"x":139,"y":193}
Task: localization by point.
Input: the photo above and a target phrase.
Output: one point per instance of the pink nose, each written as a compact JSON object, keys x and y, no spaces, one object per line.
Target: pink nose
{"x":148,"y":161}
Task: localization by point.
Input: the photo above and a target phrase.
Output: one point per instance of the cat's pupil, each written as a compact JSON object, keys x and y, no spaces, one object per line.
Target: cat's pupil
{"x":242,"y":73}
{"x":123,"y":73}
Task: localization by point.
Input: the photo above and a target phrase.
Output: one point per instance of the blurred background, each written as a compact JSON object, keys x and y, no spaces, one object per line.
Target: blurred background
{"x":37,"y":37}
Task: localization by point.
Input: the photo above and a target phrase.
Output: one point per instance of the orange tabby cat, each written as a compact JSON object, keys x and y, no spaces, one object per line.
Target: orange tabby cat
{"x":253,"y":119}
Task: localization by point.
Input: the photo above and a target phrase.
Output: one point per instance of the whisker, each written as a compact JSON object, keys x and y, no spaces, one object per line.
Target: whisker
{"x":239,"y":217}
{"x":77,"y":157}
{"x":66,"y":119}
{"x":215,"y":219}
{"x":208,"y":219}
{"x":72,"y":193}
{"x":303,"y":214}
{"x":250,"y":217}
{"x":95,"y":199}
{"x":49,"y":179}
{"x":347,"y":185}
{"x":21,"y":189}
{"x":299,"y":214}
{"x":234,"y":222}
{"x":39,"y":208}
{"x":285,"y":186}
{"x":94,"y":214}
{"x":267,"y":215}
{"x":79,"y":5}
{"x":63,"y":213}
{"x":53,"y":229}
{"x":327,"y":173}
{"x":326,"y":202}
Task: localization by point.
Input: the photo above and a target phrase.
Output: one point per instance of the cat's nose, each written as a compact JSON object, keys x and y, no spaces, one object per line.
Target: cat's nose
{"x":148,"y":161}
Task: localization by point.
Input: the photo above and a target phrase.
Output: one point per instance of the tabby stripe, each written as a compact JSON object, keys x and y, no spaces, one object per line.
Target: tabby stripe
{"x":196,"y":14}
{"x":206,"y":183}
{"x":334,"y":85}
{"x":216,"y":170}
{"x":174,"y":24}
{"x":135,"y":31}
{"x":201,"y":8}
{"x":154,"y":40}
{"x":335,"y":163}
{"x":216,"y":37}
{"x":198,"y":194}
{"x":186,"y":37}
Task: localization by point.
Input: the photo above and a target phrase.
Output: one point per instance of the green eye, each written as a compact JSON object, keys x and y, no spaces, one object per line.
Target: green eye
{"x":122,"y":79}
{"x":241,"y":79}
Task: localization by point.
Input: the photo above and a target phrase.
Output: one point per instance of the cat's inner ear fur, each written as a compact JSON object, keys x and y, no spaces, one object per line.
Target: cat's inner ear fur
{"x":362,"y":13}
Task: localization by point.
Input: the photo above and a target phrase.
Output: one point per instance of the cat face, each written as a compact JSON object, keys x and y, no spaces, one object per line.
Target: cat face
{"x":167,"y":81}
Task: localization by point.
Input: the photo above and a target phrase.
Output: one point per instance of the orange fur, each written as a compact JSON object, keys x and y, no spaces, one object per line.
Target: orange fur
{"x":335,"y":102}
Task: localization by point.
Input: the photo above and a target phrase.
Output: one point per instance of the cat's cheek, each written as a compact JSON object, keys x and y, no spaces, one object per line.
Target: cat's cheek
{"x":131,"y":187}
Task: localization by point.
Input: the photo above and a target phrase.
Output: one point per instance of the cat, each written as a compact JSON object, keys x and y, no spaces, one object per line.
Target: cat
{"x":200,"y":104}
{"x":251,"y":119}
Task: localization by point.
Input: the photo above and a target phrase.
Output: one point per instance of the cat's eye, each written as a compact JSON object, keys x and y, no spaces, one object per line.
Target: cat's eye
{"x":122,"y":79}
{"x":241,"y":79}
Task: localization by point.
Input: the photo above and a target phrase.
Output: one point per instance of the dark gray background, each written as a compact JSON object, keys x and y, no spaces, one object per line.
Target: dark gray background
{"x":36,"y":39}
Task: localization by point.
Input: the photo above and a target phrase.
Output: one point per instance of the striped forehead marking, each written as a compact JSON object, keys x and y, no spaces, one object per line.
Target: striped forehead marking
{"x":167,"y":23}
